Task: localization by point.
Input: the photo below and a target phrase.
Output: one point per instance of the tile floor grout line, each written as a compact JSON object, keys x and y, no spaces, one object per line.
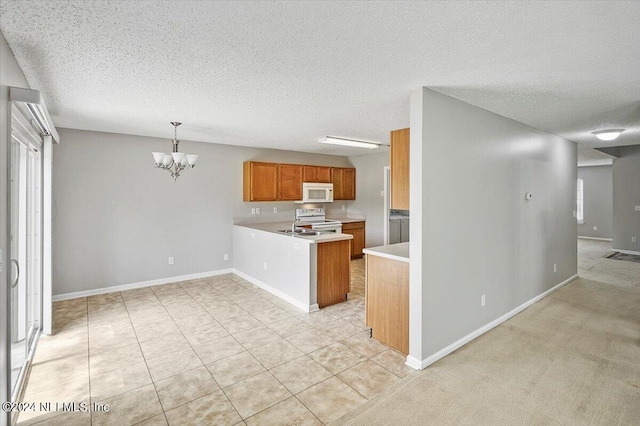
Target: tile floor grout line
{"x":89,"y":361}
{"x":205,"y":366}
{"x":309,"y":409}
{"x":145,"y":360}
{"x":254,"y":375}
{"x":192,"y":295}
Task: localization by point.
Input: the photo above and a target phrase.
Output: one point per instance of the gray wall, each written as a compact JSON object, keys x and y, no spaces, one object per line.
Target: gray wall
{"x":477,"y":235}
{"x":626,"y":195}
{"x":10,"y":75}
{"x":117,"y":218}
{"x":598,"y":201}
{"x":369,"y":202}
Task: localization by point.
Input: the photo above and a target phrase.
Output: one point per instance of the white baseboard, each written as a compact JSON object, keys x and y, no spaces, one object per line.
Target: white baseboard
{"x":123,"y":287}
{"x":418,"y":365}
{"x":414,"y":363}
{"x":595,"y":238}
{"x":637,"y":253}
{"x":276,"y":292}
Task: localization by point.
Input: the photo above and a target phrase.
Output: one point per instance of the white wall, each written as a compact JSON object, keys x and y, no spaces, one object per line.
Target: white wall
{"x":117,"y":218}
{"x":291,"y":265}
{"x":626,"y":195}
{"x":598,"y":201}
{"x":470,"y":170}
{"x":369,"y":202}
{"x":10,"y":75}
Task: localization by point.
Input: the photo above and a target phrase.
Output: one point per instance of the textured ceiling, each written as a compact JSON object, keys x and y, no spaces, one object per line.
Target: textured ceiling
{"x":282,"y":74}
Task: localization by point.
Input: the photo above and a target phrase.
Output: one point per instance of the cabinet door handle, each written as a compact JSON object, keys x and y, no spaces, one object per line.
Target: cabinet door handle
{"x":15,"y":283}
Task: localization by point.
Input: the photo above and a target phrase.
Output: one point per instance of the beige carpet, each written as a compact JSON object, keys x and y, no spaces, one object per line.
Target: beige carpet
{"x":572,"y":358}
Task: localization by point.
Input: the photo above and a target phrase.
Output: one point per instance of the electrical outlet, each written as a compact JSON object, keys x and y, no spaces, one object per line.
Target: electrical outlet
{"x":382,"y":193}
{"x":171,"y":260}
{"x":296,"y":246}
{"x":253,"y":235}
{"x":257,"y":210}
{"x":253,"y":210}
{"x":226,"y":256}
{"x":638,"y":208}
{"x":574,"y":213}
{"x":275,"y":210}
{"x":595,"y":228}
{"x":483,"y":300}
{"x":555,"y":267}
{"x":634,"y":239}
{"x":265,"y":266}
{"x":344,"y":207}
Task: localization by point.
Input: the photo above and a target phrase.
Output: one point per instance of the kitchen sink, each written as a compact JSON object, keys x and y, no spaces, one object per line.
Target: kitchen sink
{"x":301,"y":232}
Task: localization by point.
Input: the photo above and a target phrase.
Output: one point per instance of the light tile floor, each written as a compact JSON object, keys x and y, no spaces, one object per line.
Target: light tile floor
{"x":213,"y":351}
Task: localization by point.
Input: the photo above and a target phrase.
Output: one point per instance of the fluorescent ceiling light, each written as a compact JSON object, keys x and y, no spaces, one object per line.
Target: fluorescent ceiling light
{"x":348,"y":142}
{"x":607,"y":135}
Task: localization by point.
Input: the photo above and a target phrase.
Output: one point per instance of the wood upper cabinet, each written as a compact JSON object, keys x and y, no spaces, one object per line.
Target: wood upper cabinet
{"x":310,"y":174}
{"x":324,"y":174}
{"x":400,"y":169}
{"x":290,"y":182}
{"x":349,"y":184}
{"x":357,"y":244}
{"x":344,"y":183}
{"x":260,"y":181}
{"x":337,"y":178}
{"x":283,"y":182}
{"x":319,"y":174}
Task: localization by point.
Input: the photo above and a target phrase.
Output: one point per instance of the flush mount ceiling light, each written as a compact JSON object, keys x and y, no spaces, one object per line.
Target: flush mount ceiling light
{"x":607,"y":135}
{"x":176,"y":161}
{"x":348,"y":142}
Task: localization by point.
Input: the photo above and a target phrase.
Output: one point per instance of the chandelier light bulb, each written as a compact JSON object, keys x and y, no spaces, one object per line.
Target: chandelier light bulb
{"x":176,"y":161}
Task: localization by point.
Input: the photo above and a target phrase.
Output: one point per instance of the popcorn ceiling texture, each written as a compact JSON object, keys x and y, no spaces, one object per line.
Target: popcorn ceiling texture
{"x":282,"y":74}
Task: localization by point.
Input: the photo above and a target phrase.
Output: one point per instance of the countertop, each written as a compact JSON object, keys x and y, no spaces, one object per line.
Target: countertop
{"x":347,"y":219}
{"x":398,"y":251}
{"x":273,"y":228}
{"x":398,"y":217}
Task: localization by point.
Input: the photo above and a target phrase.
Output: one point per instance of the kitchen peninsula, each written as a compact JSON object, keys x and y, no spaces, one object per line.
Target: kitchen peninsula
{"x":308,"y":271}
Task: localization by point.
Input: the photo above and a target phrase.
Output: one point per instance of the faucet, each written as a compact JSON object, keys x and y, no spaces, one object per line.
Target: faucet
{"x":293,"y":226}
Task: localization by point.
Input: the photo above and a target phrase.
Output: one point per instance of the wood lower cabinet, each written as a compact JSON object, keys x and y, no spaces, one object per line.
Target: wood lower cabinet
{"x":357,"y":244}
{"x":334,"y":272}
{"x":290,"y":182}
{"x":260,"y":181}
{"x":344,"y":183}
{"x":387,"y":301}
{"x":400,"y":175}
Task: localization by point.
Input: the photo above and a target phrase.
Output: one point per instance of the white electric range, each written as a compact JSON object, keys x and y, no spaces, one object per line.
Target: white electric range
{"x":317,"y":219}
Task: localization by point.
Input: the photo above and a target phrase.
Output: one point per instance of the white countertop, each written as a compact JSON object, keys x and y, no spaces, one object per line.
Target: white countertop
{"x":347,"y":219}
{"x":398,"y":217}
{"x":398,"y":251}
{"x":273,"y":228}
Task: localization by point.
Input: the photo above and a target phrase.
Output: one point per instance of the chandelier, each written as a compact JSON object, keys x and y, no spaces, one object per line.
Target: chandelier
{"x":175,"y":162}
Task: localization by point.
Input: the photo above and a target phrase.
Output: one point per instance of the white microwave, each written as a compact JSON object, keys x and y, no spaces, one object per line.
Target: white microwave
{"x":317,"y":192}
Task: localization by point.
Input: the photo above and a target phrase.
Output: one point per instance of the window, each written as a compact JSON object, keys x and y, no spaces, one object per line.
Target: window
{"x":580,"y":203}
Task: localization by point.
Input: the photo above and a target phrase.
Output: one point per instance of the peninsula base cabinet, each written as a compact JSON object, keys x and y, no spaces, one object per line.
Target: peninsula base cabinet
{"x":334,"y":272}
{"x":387,"y":301}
